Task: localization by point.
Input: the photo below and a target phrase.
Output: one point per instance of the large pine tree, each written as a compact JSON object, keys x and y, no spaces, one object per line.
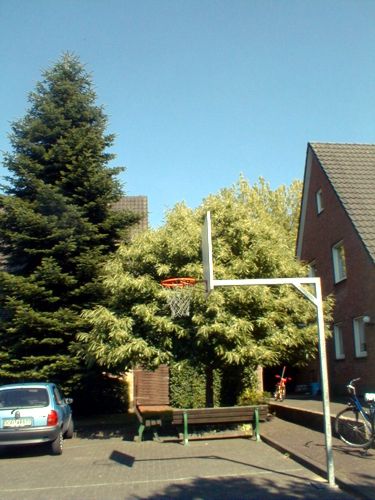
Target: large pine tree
{"x":56,"y":225}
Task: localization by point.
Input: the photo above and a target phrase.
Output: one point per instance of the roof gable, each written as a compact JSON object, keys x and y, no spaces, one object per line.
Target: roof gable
{"x":350,"y":168}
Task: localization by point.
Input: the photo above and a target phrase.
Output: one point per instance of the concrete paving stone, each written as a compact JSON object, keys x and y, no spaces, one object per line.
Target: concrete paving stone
{"x":354,"y":470}
{"x":101,"y":469}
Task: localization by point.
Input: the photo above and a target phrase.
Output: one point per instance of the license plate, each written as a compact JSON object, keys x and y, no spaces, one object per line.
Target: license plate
{"x":17,"y":422}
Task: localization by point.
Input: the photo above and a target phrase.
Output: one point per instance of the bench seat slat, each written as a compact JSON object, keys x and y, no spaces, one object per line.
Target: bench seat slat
{"x":154,"y":408}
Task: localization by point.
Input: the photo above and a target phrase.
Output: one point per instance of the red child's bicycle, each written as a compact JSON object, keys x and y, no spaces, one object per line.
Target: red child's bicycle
{"x":280,"y":391}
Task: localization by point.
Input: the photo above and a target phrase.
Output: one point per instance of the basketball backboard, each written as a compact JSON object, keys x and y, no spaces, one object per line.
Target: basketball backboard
{"x":208,"y":274}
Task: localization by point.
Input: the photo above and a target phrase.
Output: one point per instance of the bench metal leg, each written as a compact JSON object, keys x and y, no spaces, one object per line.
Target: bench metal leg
{"x":141,"y":428}
{"x":156,"y":435}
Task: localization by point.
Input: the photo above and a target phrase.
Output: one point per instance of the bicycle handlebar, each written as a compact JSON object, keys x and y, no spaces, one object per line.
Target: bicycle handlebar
{"x":354,"y":380}
{"x":351,"y":386}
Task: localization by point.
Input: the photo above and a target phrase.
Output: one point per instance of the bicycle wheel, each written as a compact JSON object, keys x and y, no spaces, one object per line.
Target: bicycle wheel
{"x":353,"y":428}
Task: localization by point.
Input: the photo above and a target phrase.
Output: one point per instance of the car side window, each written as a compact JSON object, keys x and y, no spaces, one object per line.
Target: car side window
{"x":58,"y":397}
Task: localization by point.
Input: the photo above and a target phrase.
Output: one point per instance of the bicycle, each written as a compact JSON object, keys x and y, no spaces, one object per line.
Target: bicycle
{"x":280,"y":391}
{"x":355,"y":425}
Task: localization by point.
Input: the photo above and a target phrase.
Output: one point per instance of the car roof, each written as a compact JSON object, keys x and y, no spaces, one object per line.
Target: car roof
{"x":21,"y":385}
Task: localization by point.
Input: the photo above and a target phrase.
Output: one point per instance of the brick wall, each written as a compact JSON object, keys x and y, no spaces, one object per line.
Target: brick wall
{"x":138,"y":204}
{"x":355,"y":296}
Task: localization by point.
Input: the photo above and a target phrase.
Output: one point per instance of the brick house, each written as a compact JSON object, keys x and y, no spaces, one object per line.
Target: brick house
{"x":336,"y":238}
{"x":137,"y":204}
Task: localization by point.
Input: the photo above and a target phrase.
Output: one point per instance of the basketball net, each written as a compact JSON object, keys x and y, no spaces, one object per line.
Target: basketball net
{"x":179,"y":293}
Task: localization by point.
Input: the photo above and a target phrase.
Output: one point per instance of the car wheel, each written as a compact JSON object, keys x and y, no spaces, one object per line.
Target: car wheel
{"x":70,"y":430}
{"x":57,"y":445}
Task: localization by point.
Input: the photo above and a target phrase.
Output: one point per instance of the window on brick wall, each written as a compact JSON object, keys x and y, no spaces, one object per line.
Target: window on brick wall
{"x":313,"y":273}
{"x":319,"y":201}
{"x":359,"y":337}
{"x":339,"y":266}
{"x":339,"y":342}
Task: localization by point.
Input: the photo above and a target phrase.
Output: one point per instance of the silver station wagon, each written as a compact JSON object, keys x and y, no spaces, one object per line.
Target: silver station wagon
{"x":34,"y":413}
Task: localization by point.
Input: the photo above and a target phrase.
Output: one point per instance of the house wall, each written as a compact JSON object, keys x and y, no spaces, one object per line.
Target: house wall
{"x":139,"y":205}
{"x":354,"y":296}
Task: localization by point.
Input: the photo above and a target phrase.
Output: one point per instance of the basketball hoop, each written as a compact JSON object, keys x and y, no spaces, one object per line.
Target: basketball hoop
{"x":179,"y":295}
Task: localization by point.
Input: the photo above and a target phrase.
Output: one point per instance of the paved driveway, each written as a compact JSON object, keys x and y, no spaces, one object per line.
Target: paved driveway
{"x":111,"y":469}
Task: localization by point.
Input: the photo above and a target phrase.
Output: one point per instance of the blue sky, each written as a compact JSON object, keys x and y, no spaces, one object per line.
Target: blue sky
{"x":199,"y":92}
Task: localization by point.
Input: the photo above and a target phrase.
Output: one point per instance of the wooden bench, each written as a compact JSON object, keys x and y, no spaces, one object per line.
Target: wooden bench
{"x":224,"y":415}
{"x":152,"y":416}
{"x":152,"y":407}
{"x":151,"y":390}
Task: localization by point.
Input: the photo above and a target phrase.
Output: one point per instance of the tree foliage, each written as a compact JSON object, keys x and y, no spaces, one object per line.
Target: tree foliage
{"x":253,"y":236}
{"x":56,"y":225}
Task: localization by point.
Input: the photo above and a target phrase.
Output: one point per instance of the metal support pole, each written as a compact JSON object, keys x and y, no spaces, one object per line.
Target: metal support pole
{"x":325,"y":386}
{"x":256,"y":422}
{"x":186,"y":435}
{"x":297,"y":282}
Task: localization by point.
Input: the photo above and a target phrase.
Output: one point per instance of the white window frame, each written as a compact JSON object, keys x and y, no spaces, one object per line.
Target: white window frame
{"x":359,"y":332}
{"x":339,"y":263}
{"x":319,"y":201}
{"x":338,"y":341}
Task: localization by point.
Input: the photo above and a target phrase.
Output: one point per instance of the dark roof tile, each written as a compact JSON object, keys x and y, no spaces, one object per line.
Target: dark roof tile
{"x":351,"y":170}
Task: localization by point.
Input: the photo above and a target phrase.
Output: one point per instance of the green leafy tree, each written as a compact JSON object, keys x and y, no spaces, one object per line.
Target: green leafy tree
{"x":56,"y":225}
{"x":235,"y":328}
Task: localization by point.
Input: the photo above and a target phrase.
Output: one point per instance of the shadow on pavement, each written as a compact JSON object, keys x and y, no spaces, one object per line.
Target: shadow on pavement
{"x":25,"y":451}
{"x":100,"y":432}
{"x":106,"y":427}
{"x":236,"y":488}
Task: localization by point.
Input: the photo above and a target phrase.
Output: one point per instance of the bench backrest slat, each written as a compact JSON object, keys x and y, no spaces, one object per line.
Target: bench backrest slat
{"x":219,"y":415}
{"x":151,"y":387}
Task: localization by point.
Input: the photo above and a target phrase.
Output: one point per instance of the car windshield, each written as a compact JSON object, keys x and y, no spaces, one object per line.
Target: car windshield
{"x":23,"y":397}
